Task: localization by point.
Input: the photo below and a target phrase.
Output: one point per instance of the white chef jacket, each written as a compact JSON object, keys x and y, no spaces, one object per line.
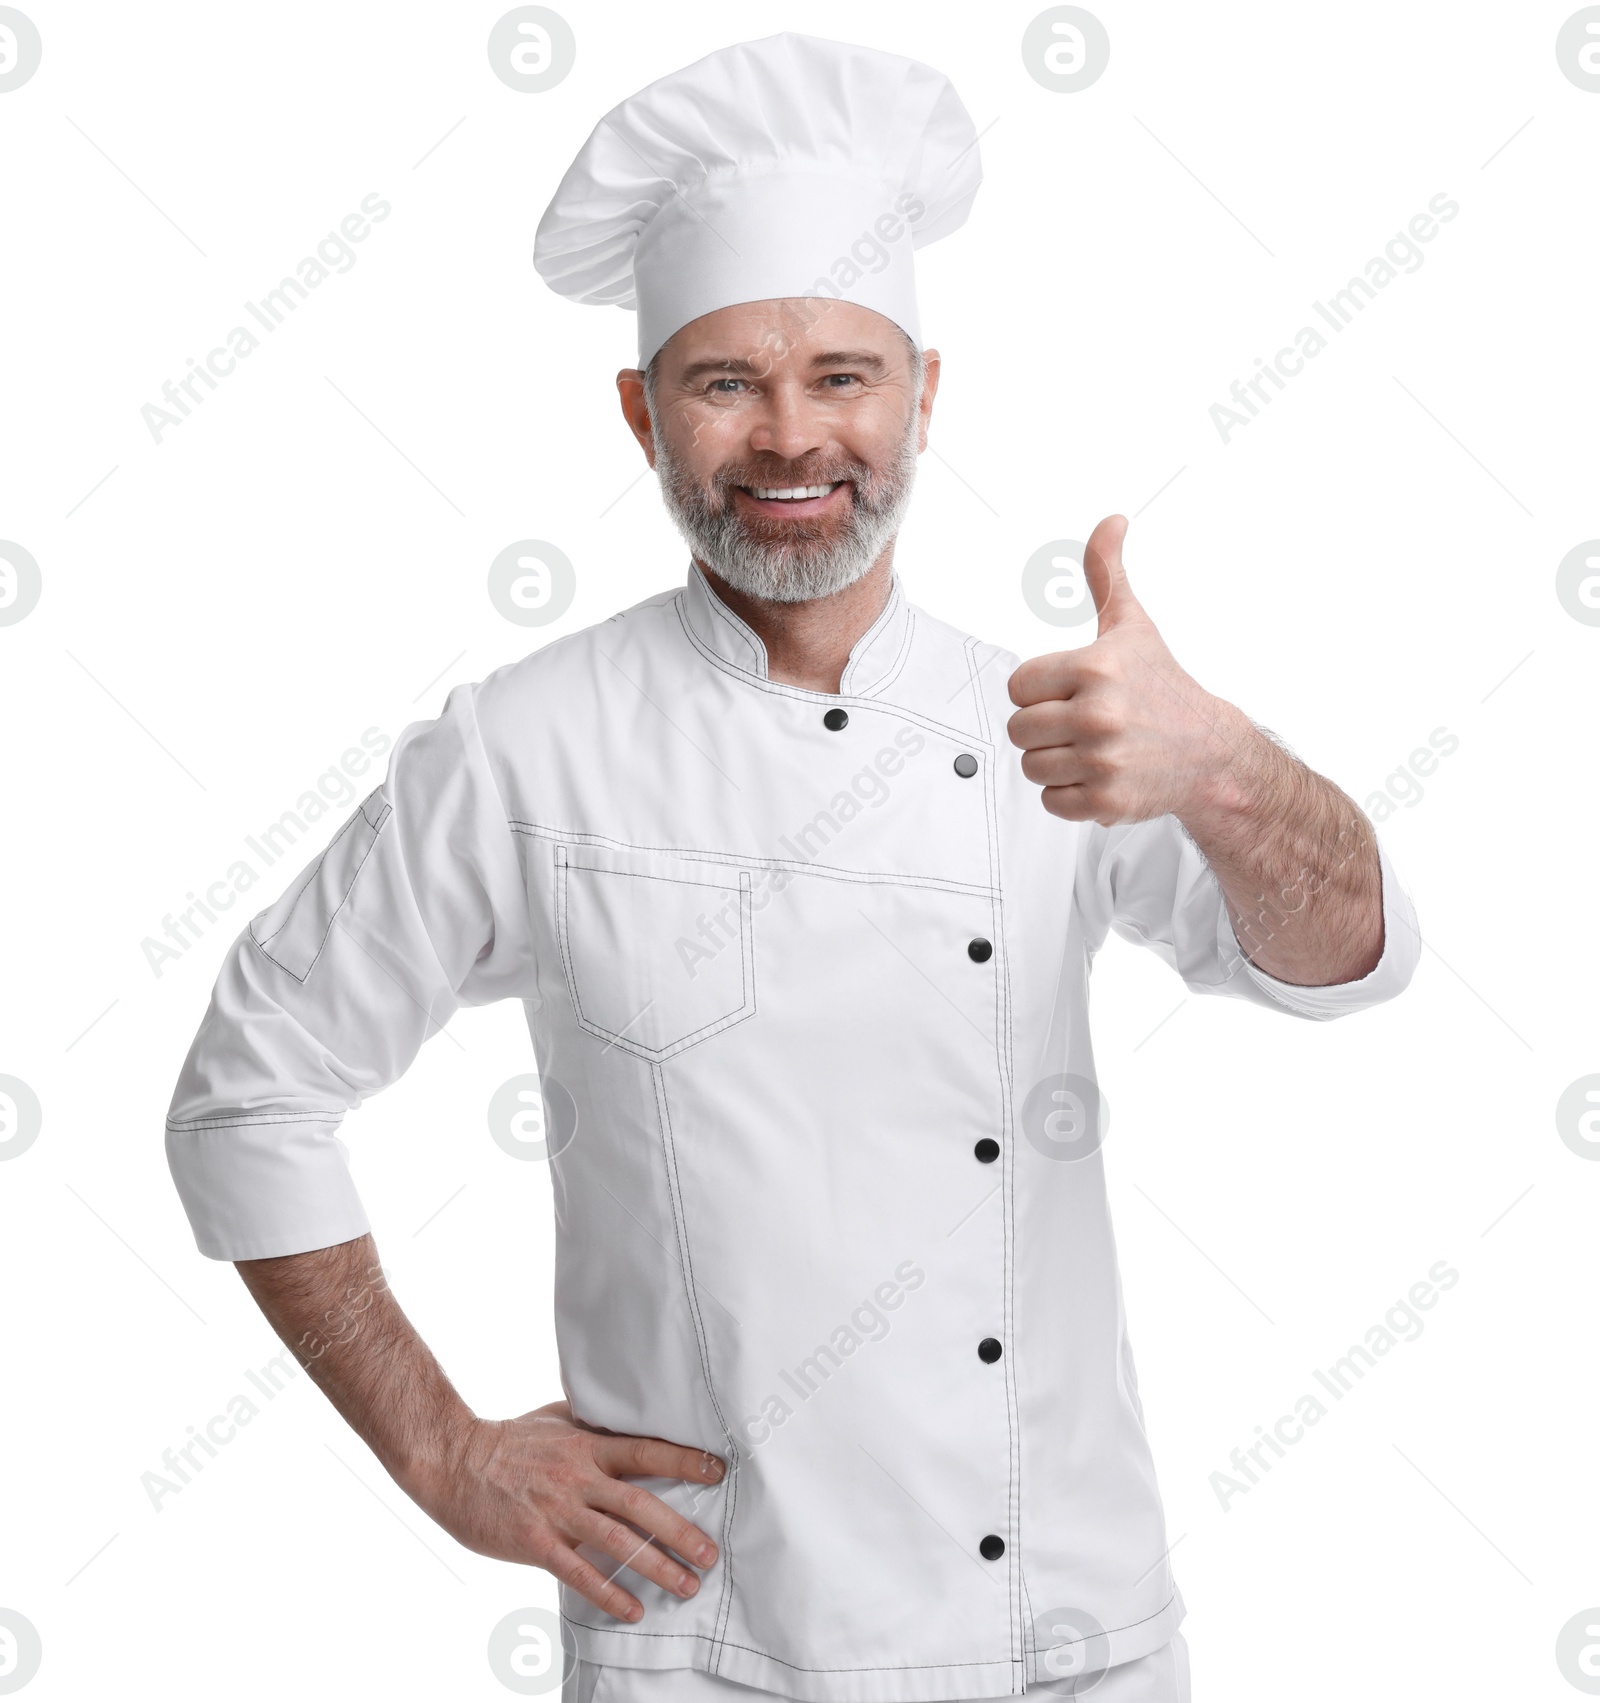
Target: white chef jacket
{"x":809,"y":990}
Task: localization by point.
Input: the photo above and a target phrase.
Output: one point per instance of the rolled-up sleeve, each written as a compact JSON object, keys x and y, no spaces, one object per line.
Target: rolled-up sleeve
{"x":1150,"y":883}
{"x":416,"y":908}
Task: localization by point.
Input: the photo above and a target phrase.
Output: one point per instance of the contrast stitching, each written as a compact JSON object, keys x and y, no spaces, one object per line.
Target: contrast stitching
{"x":311,"y":875}
{"x":796,"y":866}
{"x":802,"y":695}
{"x":225,"y":1122}
{"x":377,"y":828}
{"x":892,"y":1667}
{"x":898,"y":665}
{"x":729,"y":1644}
{"x":758,"y":648}
{"x":1109,"y":1631}
{"x":650,"y":875}
{"x":680,"y":1222}
{"x":658,"y":1054}
{"x":1021,"y":1603}
{"x":747,"y":1005}
{"x":897,"y":598}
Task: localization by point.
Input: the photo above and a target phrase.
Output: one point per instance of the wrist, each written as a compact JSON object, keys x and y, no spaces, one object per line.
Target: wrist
{"x":1232,"y":774}
{"x":426,"y":1464}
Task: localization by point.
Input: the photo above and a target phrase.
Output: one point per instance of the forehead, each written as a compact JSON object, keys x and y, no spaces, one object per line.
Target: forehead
{"x":797,"y":329}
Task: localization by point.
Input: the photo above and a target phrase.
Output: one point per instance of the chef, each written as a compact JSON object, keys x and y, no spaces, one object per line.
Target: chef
{"x":799,"y":888}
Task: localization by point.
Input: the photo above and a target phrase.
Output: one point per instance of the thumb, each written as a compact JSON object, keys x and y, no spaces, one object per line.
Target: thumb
{"x":1106,"y":577}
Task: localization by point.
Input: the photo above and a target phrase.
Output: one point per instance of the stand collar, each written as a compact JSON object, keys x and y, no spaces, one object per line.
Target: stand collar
{"x":873,"y":657}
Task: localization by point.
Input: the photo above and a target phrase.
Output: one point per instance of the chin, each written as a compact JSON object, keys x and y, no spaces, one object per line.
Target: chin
{"x":791,"y":581}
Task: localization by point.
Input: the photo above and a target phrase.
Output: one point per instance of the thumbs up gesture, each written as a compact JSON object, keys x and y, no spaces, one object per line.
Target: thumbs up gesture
{"x":1116,"y":731}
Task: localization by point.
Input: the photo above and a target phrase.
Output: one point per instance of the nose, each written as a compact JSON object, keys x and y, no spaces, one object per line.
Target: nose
{"x":787,"y":424}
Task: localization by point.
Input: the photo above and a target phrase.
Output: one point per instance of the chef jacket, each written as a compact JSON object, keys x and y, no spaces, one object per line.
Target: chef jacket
{"x":807,"y":981}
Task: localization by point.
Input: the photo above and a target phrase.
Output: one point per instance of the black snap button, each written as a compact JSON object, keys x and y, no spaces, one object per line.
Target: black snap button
{"x":989,"y":1350}
{"x":992,"y":1547}
{"x":979,"y":950}
{"x":966,"y":765}
{"x":835,"y":719}
{"x":987,"y":1151}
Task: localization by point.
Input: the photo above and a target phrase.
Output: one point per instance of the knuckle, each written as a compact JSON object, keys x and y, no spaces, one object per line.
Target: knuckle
{"x":637,"y":1502}
{"x":587,"y":1582}
{"x":565,"y":1480}
{"x":1065,"y":802}
{"x":1098,"y":718}
{"x":541,"y":1547}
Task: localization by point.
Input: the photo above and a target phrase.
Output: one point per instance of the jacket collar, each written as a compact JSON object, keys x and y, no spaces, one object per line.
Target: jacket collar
{"x":875,"y":656}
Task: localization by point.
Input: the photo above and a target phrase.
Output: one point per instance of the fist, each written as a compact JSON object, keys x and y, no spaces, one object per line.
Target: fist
{"x":1116,"y":731}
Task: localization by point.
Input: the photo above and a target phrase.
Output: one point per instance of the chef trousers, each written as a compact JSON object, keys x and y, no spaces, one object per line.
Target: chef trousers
{"x":1160,"y":1677}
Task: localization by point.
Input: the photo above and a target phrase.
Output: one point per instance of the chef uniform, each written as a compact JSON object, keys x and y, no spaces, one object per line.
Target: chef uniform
{"x":806,"y":977}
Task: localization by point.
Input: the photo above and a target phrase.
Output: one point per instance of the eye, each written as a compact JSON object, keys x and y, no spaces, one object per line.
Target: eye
{"x":713,"y":390}
{"x":849,"y":378}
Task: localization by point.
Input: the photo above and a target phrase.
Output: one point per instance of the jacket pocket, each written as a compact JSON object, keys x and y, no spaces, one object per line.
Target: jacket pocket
{"x":293,"y":931}
{"x":658,"y":952}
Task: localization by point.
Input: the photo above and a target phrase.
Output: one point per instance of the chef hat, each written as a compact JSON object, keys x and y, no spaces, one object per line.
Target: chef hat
{"x":790,"y":166}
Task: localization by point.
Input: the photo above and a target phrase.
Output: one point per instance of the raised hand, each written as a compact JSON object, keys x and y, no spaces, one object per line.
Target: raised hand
{"x":1116,"y":731}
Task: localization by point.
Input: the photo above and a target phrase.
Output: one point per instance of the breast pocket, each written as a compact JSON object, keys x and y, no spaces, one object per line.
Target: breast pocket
{"x":658,"y":953}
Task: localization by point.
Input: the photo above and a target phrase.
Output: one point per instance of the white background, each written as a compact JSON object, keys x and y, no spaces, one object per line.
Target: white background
{"x":305,"y":557}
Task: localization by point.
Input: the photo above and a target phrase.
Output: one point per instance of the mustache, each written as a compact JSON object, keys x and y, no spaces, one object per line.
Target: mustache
{"x":725,"y":479}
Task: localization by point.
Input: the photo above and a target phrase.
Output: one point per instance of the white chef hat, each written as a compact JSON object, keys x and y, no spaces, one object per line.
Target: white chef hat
{"x":790,"y":166}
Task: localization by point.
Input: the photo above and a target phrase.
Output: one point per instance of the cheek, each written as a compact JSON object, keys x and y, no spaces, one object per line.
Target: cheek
{"x":708,"y":439}
{"x":876,"y":441}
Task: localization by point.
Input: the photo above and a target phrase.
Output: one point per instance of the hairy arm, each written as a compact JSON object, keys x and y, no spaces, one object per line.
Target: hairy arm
{"x":1296,"y":858}
{"x":526,"y":1490}
{"x":1117,"y":731}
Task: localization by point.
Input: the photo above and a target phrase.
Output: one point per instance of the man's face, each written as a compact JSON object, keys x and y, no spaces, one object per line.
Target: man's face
{"x":785,"y":435}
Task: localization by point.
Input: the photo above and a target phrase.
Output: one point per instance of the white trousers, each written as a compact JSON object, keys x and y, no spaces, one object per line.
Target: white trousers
{"x":1160,"y":1677}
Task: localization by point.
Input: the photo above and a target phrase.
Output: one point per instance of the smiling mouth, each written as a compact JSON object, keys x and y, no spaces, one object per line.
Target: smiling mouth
{"x":793,"y":499}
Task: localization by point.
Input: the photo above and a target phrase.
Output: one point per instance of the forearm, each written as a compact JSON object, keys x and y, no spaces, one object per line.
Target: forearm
{"x":527,"y":1490}
{"x":333,"y":1309}
{"x":1296,"y":859}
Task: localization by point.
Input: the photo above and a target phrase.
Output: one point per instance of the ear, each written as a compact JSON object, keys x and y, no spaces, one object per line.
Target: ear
{"x":630,"y":391}
{"x":930,"y":388}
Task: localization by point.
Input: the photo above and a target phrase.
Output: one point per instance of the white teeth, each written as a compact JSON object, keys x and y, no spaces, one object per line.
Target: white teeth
{"x":790,"y":493}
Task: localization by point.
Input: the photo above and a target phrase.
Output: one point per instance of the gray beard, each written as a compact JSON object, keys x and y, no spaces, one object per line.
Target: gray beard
{"x":790,"y":561}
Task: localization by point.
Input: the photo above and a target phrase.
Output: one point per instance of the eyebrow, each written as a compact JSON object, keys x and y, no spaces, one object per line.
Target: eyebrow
{"x":739,"y":366}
